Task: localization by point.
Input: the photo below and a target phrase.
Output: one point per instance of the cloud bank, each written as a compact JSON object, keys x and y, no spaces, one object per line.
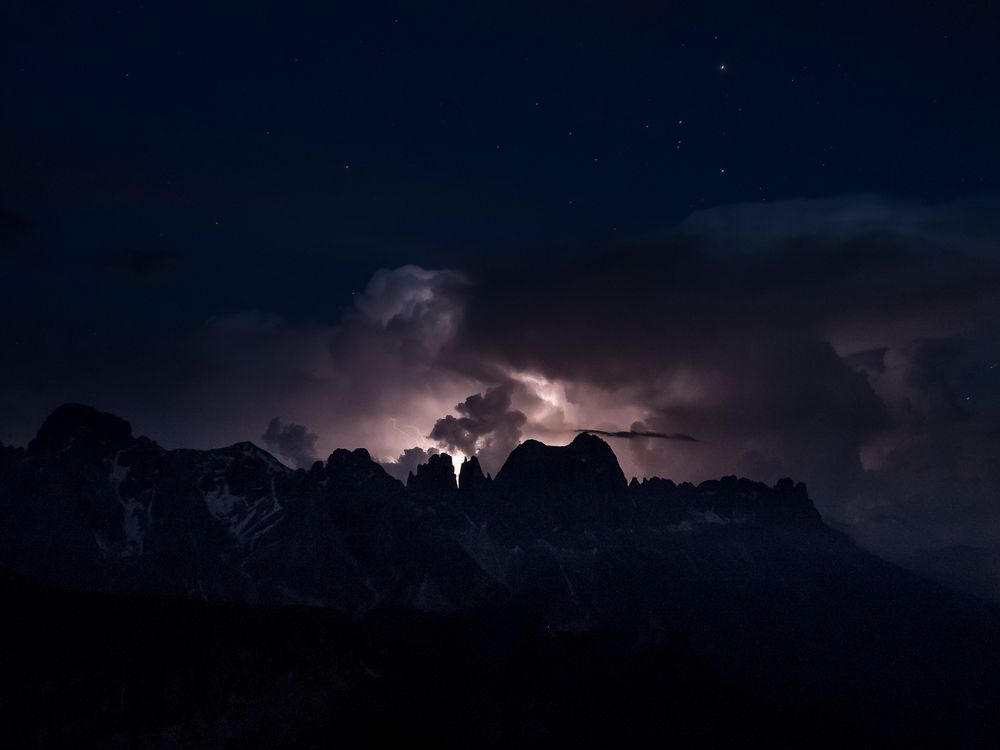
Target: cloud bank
{"x":851,"y":343}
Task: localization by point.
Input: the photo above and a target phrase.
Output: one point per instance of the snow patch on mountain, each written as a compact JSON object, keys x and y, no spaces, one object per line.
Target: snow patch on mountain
{"x":245,"y":521}
{"x":222,"y":503}
{"x":708,"y":517}
{"x":136,"y":518}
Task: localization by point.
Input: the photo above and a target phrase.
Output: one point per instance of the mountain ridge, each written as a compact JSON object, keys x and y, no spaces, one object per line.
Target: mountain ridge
{"x":750,"y":574}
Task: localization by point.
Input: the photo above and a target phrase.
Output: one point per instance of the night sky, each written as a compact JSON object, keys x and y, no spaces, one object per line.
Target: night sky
{"x":409,"y":228}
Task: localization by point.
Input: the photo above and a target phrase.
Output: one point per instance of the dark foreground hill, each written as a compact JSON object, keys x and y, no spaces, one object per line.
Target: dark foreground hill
{"x":199,"y":598}
{"x":121,"y":672}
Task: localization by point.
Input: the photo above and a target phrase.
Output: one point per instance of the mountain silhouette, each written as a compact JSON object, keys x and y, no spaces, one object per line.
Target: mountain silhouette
{"x":744,"y":578}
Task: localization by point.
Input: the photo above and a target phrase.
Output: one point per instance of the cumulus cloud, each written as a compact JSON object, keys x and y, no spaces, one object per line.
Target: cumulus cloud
{"x":422,"y":306}
{"x":293,"y":441}
{"x":374,"y":376}
{"x":373,"y":379}
{"x":487,"y":425}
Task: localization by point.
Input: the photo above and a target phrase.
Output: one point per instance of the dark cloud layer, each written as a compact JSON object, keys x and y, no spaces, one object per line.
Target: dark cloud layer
{"x":632,"y":434}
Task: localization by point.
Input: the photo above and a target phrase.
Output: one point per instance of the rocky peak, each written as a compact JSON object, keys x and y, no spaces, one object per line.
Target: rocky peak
{"x":353,"y":468}
{"x":579,"y":485}
{"x":727,"y":500}
{"x":470,"y":475}
{"x":585,"y":442}
{"x":791,"y":503}
{"x":434,"y":478}
{"x":586,"y":463}
{"x":248,"y":453}
{"x":79,"y":428}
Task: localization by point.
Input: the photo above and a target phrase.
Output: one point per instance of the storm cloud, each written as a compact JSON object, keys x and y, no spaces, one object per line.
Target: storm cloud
{"x":850,"y":343}
{"x":487,"y":426}
{"x":793,"y":339}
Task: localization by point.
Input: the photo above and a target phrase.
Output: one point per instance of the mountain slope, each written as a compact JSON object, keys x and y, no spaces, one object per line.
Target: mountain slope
{"x":748,"y":576}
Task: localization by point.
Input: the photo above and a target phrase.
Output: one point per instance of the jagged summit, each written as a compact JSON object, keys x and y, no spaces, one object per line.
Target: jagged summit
{"x":436,"y":477}
{"x":246,"y":450}
{"x":356,"y":467}
{"x":470,"y":475}
{"x":359,"y":456}
{"x":540,"y":487}
{"x":573,"y":486}
{"x":87,"y":494}
{"x":587,"y":457}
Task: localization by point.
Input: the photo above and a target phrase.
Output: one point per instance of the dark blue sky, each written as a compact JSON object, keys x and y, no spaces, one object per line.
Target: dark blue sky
{"x":377,"y":134}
